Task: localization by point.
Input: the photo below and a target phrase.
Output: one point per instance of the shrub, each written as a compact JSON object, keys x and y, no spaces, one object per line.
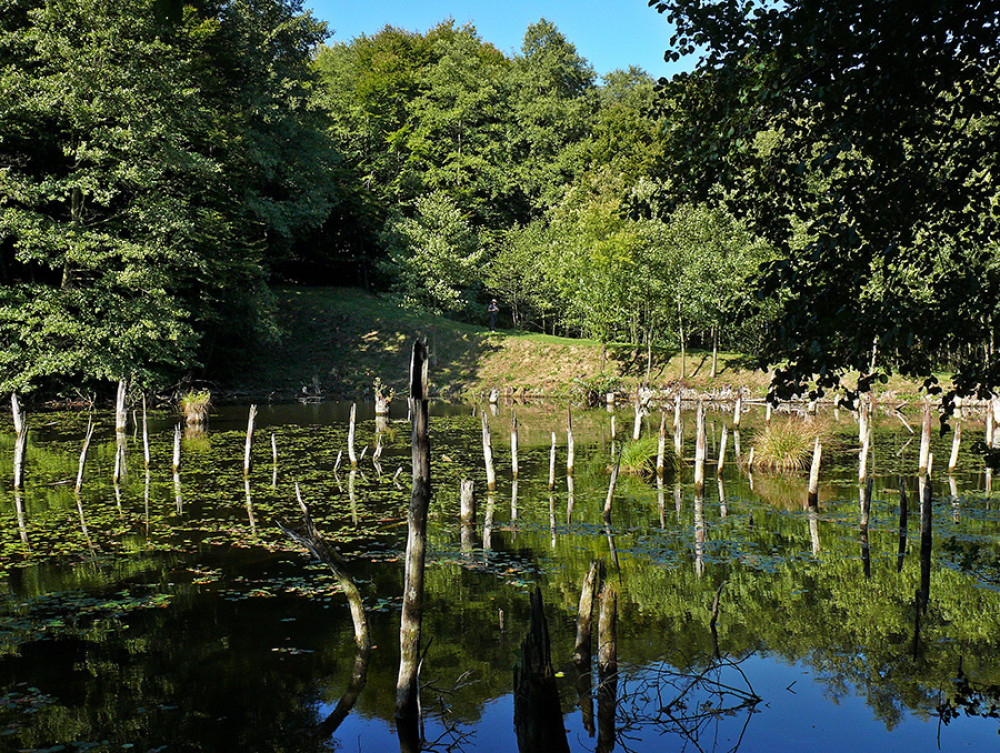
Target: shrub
{"x":194,"y":404}
{"x":786,"y":445}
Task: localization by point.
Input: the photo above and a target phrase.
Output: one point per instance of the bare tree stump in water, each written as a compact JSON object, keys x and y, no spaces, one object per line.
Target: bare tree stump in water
{"x":513,"y":445}
{"x":407,"y":687}
{"x":538,"y":718}
{"x":309,"y":537}
{"x":607,"y":669}
{"x":592,"y":584}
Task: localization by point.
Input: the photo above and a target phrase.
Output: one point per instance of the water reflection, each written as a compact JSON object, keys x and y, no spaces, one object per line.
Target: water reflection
{"x":819,"y":610}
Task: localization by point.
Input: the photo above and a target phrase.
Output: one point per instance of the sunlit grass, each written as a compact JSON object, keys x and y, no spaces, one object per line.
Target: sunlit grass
{"x":786,"y":444}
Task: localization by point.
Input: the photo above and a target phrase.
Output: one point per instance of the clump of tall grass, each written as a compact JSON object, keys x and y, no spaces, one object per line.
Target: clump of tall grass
{"x":195,"y":404}
{"x":786,"y":444}
{"x":639,"y":457}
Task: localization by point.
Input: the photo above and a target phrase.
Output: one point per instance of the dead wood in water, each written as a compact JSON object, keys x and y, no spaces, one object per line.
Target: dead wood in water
{"x":407,"y":688}
{"x":309,"y":537}
{"x":538,"y":719}
{"x":591,"y":587}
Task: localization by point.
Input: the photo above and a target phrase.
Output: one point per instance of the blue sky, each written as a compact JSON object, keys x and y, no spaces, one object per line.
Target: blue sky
{"x":609,"y":33}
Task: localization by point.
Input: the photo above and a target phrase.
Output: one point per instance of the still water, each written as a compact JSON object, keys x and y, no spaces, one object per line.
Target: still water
{"x":170,"y":613}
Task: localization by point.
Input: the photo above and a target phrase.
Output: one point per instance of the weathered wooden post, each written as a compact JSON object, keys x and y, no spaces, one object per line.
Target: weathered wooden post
{"x":491,"y":506}
{"x":611,"y":488}
{"x":351,"y":455}
{"x":570,"y":445}
{"x":15,"y":407}
{"x":925,"y":438}
{"x":20,"y":452}
{"x":767,"y":412}
{"x":956,"y":442}
{"x":513,"y":445}
{"x":407,"y":714}
{"x":552,"y":464}
{"x":467,"y":502}
{"x":467,"y":513}
{"x":491,"y":475}
{"x":722,"y":451}
{"x":865,"y":436}
{"x":591,"y":587}
{"x":661,"y":448}
{"x":247,"y":456}
{"x":83,"y":455}
{"x":814,"y":473}
{"x":738,"y":411}
{"x":637,"y":424}
{"x":177,"y":448}
{"x":121,"y":414}
{"x":700,"y":450}
{"x":678,"y":430}
{"x":145,"y":434}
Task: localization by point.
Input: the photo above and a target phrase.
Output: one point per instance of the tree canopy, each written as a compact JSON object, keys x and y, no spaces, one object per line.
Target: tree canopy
{"x":861,"y":139}
{"x":147,"y":166}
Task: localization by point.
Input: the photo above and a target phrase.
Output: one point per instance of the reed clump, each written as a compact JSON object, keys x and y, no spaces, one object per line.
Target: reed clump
{"x":195,"y":404}
{"x":786,"y":444}
{"x":639,"y":458}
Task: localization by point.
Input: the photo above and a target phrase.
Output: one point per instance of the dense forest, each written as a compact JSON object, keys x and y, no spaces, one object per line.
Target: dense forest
{"x":823,"y":205}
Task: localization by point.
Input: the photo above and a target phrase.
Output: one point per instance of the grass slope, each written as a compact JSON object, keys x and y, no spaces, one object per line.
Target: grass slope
{"x":336,"y":341}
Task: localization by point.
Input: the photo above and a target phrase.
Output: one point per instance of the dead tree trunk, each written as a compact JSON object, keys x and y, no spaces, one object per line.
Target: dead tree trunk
{"x":83,"y":455}
{"x":513,"y":445}
{"x":407,"y":687}
{"x":814,"y":473}
{"x":591,"y":587}
{"x":121,"y":415}
{"x":351,"y":455}
{"x":537,"y":716}
{"x":491,"y":474}
{"x":310,"y":538}
{"x":607,"y":669}
{"x":247,"y":456}
{"x":700,"y":451}
{"x":145,"y":434}
{"x":925,"y":438}
{"x":570,"y":444}
{"x":552,"y":464}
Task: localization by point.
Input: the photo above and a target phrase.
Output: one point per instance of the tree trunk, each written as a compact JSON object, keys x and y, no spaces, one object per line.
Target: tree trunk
{"x":537,"y":716}
{"x":407,"y":689}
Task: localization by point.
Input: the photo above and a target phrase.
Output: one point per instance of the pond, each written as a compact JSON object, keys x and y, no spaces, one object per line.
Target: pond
{"x":169,"y":612}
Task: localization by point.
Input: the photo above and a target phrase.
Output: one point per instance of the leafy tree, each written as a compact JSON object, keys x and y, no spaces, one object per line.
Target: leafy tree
{"x":891,"y":108}
{"x":552,"y":110}
{"x":146,"y":166}
{"x":434,"y":256}
{"x":458,"y":134}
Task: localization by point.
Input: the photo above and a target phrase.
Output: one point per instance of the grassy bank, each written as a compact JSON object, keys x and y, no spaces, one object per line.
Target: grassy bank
{"x":337,"y":341}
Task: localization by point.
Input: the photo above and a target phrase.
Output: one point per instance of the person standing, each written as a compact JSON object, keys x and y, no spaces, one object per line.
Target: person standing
{"x":493,"y":310}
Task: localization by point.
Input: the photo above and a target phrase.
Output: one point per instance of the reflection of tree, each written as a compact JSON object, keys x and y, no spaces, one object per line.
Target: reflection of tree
{"x":969,"y":698}
{"x":690,"y":705}
{"x":310,"y":538}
